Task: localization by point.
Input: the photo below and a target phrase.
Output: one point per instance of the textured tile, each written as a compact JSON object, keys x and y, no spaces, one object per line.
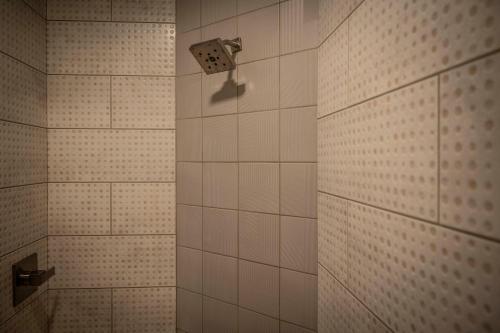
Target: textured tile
{"x":259,"y":187}
{"x":23,"y":92}
{"x":332,"y":13}
{"x":143,"y":208}
{"x":185,"y":63}
{"x":219,"y":316}
{"x":469,"y":147}
{"x":259,"y":237}
{"x":118,"y":261}
{"x":31,"y":318}
{"x":189,"y":139}
{"x":298,"y":185}
{"x":189,"y":311}
{"x":80,"y":310}
{"x":111,"y":155}
{"x":299,"y":244}
{"x":216,"y":10}
{"x":79,"y":209}
{"x":220,"y":138}
{"x":188,"y":15}
{"x":144,"y":10}
{"x":286,"y":327}
{"x":298,"y":135}
{"x":147,"y":310}
{"x":258,"y":85}
{"x":251,"y":322}
{"x":220,"y":185}
{"x":259,"y":287}
{"x":246,"y":6}
{"x":219,"y":93}
{"x":24,"y":216}
{"x":188,"y":96}
{"x":259,"y":31}
{"x":88,"y":10}
{"x":258,"y":136}
{"x":143,"y":102}
{"x":78,"y":101}
{"x":40,"y":6}
{"x":227,"y":29}
{"x":298,"y":79}
{"x":220,"y":277}
{"x":189,"y":183}
{"x":298,"y":25}
{"x":395,"y":137}
{"x":220,"y":231}
{"x":448,"y":278}
{"x":189,"y":226}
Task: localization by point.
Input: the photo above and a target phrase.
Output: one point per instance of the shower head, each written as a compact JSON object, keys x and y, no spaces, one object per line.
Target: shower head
{"x":214,"y":56}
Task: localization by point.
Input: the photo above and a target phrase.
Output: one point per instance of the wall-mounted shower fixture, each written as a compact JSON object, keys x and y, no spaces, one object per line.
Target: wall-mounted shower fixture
{"x":213,"y":55}
{"x":26,"y":278}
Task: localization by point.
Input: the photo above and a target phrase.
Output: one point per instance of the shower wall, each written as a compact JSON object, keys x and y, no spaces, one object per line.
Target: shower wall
{"x":246,"y":170}
{"x":408,"y":146}
{"x":23,"y":157}
{"x":111,"y":143}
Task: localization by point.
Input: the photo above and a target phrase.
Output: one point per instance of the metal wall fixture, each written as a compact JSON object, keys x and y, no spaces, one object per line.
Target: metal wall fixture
{"x":214,"y":56}
{"x":26,"y":278}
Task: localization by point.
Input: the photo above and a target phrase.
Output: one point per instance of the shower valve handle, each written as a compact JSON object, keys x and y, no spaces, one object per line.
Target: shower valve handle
{"x":34,"y":278}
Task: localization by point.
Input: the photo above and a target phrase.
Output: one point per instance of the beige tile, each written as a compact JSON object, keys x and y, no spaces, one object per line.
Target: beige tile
{"x":78,"y":101}
{"x":79,"y":209}
{"x":332,"y":14}
{"x":189,"y":183}
{"x":298,"y":298}
{"x":246,"y":6}
{"x":189,"y":269}
{"x":188,"y":16}
{"x":259,"y":187}
{"x":227,"y":29}
{"x":29,"y":319}
{"x":189,"y":311}
{"x":470,"y":147}
{"x":144,"y":11}
{"x":87,"y":10}
{"x":220,"y":138}
{"x":286,"y":327}
{"x":216,"y":10}
{"x":220,"y":231}
{"x":219,"y":316}
{"x":298,"y":77}
{"x":189,"y":139}
{"x":259,"y":31}
{"x":118,"y":261}
{"x":188,"y":96}
{"x":258,"y":85}
{"x":298,"y":135}
{"x":298,"y":189}
{"x":219,"y":93}
{"x":143,"y":208}
{"x":334,"y":310}
{"x":143,"y":102}
{"x":189,"y":226}
{"x":185,"y":63}
{"x":220,"y":185}
{"x":259,"y":136}
{"x":259,"y":237}
{"x":251,"y":322}
{"x":298,"y":25}
{"x":40,"y":6}
{"x":220,"y":277}
{"x":299,"y":244}
{"x":259,"y":287}
{"x":80,"y":310}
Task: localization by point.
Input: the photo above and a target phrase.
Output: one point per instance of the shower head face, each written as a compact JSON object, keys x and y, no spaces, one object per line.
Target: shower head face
{"x":213,"y":56}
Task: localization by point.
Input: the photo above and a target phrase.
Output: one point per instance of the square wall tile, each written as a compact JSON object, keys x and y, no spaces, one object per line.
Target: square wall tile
{"x":298,"y":298}
{"x":188,"y":96}
{"x":332,"y":14}
{"x":259,"y":136}
{"x":80,"y":310}
{"x":79,"y":209}
{"x":189,"y":311}
{"x":298,"y":79}
{"x":247,"y":6}
{"x":298,"y":189}
{"x":143,"y":208}
{"x":219,"y":93}
{"x":220,"y":138}
{"x":259,"y":237}
{"x":259,"y":187}
{"x":189,"y":139}
{"x":144,"y":11}
{"x":88,"y":10}
{"x":227,"y":29}
{"x":251,"y":322}
{"x":188,"y":15}
{"x":216,"y":10}
{"x":298,"y":25}
{"x":299,"y":244}
{"x":189,"y":183}
{"x":220,"y":231}
{"x":219,"y":316}
{"x":189,"y":226}
{"x":259,"y":30}
{"x":258,"y":85}
{"x":259,"y":287}
{"x":220,"y":277}
{"x":298,"y":135}
{"x":220,"y":185}
{"x":185,"y":63}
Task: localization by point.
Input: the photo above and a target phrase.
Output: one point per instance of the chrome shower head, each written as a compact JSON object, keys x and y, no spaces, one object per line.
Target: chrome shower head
{"x":214,"y":56}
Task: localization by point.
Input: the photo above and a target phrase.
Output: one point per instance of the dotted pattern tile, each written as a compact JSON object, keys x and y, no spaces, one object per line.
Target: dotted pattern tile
{"x":24,"y":154}
{"x":79,"y":209}
{"x":78,"y":101}
{"x":22,"y":92}
{"x":143,"y":208}
{"x":6,"y":262}
{"x":93,"y":10}
{"x":332,"y":13}
{"x":143,"y":102}
{"x":470,"y":147}
{"x":118,"y":261}
{"x":24,"y":216}
{"x":144,"y":10}
{"x":111,"y":48}
{"x":40,"y":6}
{"x":332,"y":235}
{"x":384,"y":152}
{"x":23,"y":33}
{"x":147,"y":310}
{"x":394,"y":42}
{"x":30,"y":319}
{"x":111,"y":155}
{"x":419,"y":277}
{"x":80,"y":310}
{"x":333,"y":61}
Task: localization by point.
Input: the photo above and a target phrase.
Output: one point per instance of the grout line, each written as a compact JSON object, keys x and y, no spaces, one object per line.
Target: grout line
{"x":110,"y":235}
{"x":22,"y":185}
{"x":110,"y":102}
{"x":23,"y":124}
{"x":35,"y":11}
{"x":105,"y":182}
{"x":438,"y":150}
{"x":112,"y":287}
{"x":111,"y":75}
{"x":23,"y":62}
{"x":111,"y":208}
{"x":23,"y":246}
{"x":104,"y":21}
{"x":107,"y":128}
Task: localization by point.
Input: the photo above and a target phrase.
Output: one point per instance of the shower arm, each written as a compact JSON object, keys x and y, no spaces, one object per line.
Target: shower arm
{"x":235,"y":44}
